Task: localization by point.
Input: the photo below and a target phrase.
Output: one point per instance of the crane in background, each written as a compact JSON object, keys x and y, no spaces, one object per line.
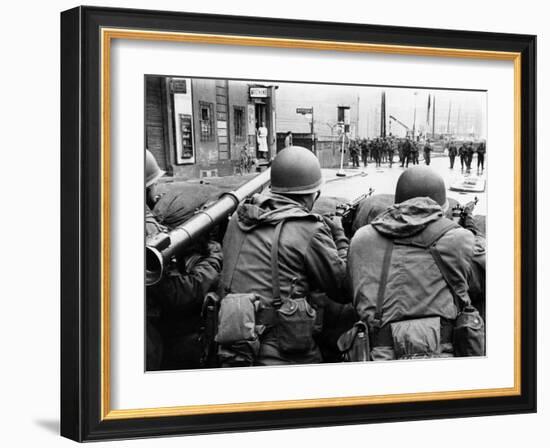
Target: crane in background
{"x":407,"y":129}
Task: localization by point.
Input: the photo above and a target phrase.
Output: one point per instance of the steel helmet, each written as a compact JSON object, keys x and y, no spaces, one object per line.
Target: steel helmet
{"x":296,"y":170}
{"x":152,"y":169}
{"x":421,"y":181}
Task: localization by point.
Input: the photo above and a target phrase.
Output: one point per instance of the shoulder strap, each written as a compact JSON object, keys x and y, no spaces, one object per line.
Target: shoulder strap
{"x":383,"y":282}
{"x":234,"y":258}
{"x":275,"y":261}
{"x":459,"y":302}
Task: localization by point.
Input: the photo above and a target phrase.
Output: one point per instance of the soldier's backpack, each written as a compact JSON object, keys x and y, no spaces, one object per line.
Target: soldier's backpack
{"x":422,"y":337}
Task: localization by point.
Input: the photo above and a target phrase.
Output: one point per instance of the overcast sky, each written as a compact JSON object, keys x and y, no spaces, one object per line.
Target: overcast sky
{"x":467,"y":109}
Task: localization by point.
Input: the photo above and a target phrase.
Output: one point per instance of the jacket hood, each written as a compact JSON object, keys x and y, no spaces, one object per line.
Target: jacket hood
{"x":268,"y":208}
{"x":407,"y":218}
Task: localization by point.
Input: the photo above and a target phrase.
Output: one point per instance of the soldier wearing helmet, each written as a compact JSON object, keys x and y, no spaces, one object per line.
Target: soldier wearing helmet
{"x":398,"y":286}
{"x":310,"y":250}
{"x":174,"y":304}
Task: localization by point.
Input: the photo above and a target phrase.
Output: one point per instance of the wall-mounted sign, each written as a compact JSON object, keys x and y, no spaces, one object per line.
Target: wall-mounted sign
{"x":179,"y":85}
{"x":304,"y":110}
{"x":258,"y":92}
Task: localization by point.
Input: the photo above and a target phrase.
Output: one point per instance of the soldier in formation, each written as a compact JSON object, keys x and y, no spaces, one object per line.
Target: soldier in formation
{"x":427,"y":152}
{"x":452,"y":154}
{"x":364,"y":152}
{"x":354,"y":151}
{"x":481,"y":149}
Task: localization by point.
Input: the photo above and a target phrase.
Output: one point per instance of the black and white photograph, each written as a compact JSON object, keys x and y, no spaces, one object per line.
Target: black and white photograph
{"x":292,"y":223}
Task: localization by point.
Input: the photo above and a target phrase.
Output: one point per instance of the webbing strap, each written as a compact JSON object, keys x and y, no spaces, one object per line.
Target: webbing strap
{"x":383,"y":282}
{"x":233,"y":261}
{"x":459,"y":302}
{"x":275,"y":261}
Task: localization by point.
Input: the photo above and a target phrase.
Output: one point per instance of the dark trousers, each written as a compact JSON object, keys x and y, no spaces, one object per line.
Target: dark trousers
{"x":427,"y":158}
{"x":462,"y":162}
{"x":452,"y":160}
{"x":481,"y":161}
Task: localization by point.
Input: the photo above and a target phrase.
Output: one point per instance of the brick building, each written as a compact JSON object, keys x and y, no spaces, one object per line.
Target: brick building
{"x":197,"y":127}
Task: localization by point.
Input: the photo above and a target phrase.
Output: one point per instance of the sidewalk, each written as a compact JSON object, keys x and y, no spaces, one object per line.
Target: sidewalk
{"x":329,"y":174}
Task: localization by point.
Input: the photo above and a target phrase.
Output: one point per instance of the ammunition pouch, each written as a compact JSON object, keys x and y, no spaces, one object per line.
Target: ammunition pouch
{"x":354,"y":344}
{"x":469,"y":333}
{"x":237,"y":321}
{"x":295,"y":325}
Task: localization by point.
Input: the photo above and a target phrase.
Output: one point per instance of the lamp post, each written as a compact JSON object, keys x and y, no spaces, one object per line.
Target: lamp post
{"x":341,"y":172}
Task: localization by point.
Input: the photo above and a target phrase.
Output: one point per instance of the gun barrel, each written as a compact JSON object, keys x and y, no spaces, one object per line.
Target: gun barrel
{"x":199,"y":225}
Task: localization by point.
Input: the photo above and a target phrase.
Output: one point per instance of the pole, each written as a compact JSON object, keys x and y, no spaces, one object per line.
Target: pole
{"x":449,"y":119}
{"x":433,"y":119}
{"x":414,"y":117}
{"x":341,"y":172}
{"x":314,"y":149}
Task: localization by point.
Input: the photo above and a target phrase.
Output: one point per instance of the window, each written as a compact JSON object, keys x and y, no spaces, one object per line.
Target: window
{"x":238,"y":122}
{"x":206,"y":121}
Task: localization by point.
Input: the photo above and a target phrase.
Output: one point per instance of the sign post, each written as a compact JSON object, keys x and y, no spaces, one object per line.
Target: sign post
{"x":309,"y":111}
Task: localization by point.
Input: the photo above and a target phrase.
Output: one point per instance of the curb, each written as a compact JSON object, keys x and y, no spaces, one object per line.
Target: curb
{"x":348,"y":176}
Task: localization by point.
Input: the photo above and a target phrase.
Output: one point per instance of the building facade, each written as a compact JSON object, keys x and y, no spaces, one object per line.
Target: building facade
{"x":198,"y":127}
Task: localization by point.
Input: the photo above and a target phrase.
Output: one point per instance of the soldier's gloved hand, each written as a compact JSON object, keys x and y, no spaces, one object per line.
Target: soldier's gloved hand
{"x":214,"y":248}
{"x":335,"y":225}
{"x":467,"y":221}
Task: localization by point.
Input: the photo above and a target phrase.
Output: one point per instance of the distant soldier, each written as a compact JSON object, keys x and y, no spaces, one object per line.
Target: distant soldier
{"x":378,"y":152}
{"x":412,"y":271}
{"x":462,"y":155}
{"x":481,"y":149}
{"x":391,"y":150}
{"x":277,"y":253}
{"x":469,"y":155}
{"x":406,"y":152}
{"x":354,"y":153}
{"x":452,"y":154}
{"x":364,"y":152}
{"x":427,"y":152}
{"x":415,"y":151}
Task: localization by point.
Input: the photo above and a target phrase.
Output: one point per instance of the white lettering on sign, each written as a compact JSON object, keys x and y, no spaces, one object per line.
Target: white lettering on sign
{"x":258,"y":92}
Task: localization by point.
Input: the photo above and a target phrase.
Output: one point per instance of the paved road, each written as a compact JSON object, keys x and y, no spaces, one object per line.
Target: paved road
{"x":384,"y":179}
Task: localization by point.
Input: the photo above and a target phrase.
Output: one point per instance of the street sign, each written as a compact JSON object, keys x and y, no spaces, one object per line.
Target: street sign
{"x":304,"y":110}
{"x":258,"y":92}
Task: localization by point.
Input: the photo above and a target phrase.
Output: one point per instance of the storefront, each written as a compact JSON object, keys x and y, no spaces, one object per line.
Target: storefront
{"x":198,"y":127}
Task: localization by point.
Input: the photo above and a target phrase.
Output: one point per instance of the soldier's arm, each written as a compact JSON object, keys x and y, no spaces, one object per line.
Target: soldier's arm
{"x":183,"y":291}
{"x":325,"y":267}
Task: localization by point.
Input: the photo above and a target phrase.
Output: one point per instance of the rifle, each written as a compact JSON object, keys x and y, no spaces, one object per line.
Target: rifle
{"x":347,"y":210}
{"x":162,"y":247}
{"x":459,"y":212}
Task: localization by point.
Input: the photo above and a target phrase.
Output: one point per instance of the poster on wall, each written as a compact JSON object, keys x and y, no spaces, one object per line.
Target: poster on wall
{"x":183,"y":120}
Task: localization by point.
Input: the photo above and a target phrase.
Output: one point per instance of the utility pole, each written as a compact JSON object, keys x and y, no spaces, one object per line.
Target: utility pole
{"x":449,"y":119}
{"x":383,"y":116}
{"x":313,"y":146}
{"x":428,"y":111}
{"x":433,"y":120}
{"x":414,"y":118}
